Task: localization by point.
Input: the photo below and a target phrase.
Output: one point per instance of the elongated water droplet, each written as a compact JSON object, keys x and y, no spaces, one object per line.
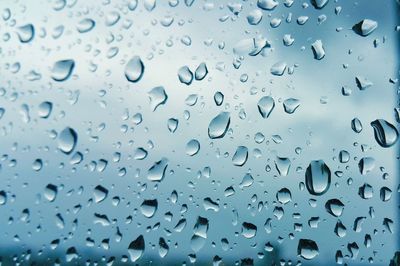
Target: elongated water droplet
{"x":67,"y":140}
{"x":63,"y":69}
{"x":134,"y":69}
{"x":318,"y":50}
{"x":385,"y":133}
{"x":318,"y":177}
{"x":219,"y":125}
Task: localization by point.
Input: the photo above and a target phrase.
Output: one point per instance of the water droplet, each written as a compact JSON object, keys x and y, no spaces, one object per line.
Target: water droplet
{"x":307,"y":249}
{"x":218,"y":98}
{"x":319,"y":4}
{"x":267,"y":4}
{"x":318,"y":177}
{"x":136,"y":248}
{"x":290,"y":105}
{"x":201,"y":71}
{"x":278,"y":68}
{"x":163,"y":248}
{"x":172,"y":124}
{"x":240,"y":156}
{"x":385,"y":133}
{"x":334,"y":207}
{"x":318,"y":50}
{"x":50,"y":192}
{"x":44,"y":110}
{"x":37,"y":165}
{"x":219,"y":125}
{"x":356,"y":125}
{"x":63,"y":69}
{"x":344,"y":156}
{"x":140,"y":154}
{"x":284,"y":196}
{"x":26,"y":33}
{"x":365,"y":27}
{"x":192,"y":147}
{"x":282,"y":165}
{"x":249,"y":230}
{"x":366,"y":165}
{"x":157,"y":97}
{"x":85,"y":25}
{"x":134,"y":69}
{"x":100,"y":193}
{"x":67,"y":140}
{"x":149,"y":207}
{"x":185,"y":75}
{"x":265,"y":106}
{"x":254,"y":17}
{"x":157,"y":171}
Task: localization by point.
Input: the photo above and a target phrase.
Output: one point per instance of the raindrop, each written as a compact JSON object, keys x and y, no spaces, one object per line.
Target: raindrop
{"x":278,"y":68}
{"x":267,"y":4}
{"x":265,"y":106}
{"x":157,"y":171}
{"x":67,"y":140}
{"x":385,"y":133}
{"x":26,"y":33}
{"x":307,"y":249}
{"x":62,"y":69}
{"x":365,"y":27}
{"x":185,"y":75}
{"x":318,"y":50}
{"x":134,"y":69}
{"x":219,"y":125}
{"x":282,"y":165}
{"x":136,"y":248}
{"x":240,"y":156}
{"x":318,"y":177}
{"x":100,"y":193}
{"x":201,"y":71}
{"x":290,"y":105}
{"x":334,"y":207}
{"x":44,"y":110}
{"x":157,"y":97}
{"x":149,"y":207}
{"x":85,"y":25}
{"x":192,"y":147}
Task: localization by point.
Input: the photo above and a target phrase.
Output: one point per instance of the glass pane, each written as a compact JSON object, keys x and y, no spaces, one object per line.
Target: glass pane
{"x":199,"y":132}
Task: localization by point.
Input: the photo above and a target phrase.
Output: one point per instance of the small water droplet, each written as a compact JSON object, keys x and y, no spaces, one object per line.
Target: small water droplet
{"x":318,"y":177}
{"x":67,"y":140}
{"x":134,"y":69}
{"x":219,"y":125}
{"x":63,"y":69}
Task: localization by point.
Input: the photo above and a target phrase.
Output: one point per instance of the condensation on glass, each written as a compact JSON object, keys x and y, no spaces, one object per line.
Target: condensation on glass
{"x":199,"y":132}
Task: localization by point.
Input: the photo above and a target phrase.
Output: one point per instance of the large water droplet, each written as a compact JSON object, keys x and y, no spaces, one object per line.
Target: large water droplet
{"x":26,"y":33}
{"x":136,"y":248}
{"x":157,"y":171}
{"x":265,"y":106}
{"x":219,"y":125}
{"x":365,"y":27}
{"x":149,"y":207}
{"x":307,"y":249}
{"x":385,"y":133}
{"x":67,"y":140}
{"x":240,"y":156}
{"x":267,"y":4}
{"x":100,"y":193}
{"x":318,"y":177}
{"x":44,"y":110}
{"x":278,"y":68}
{"x":134,"y":69}
{"x":249,"y":230}
{"x":192,"y":147}
{"x":201,"y":71}
{"x":157,"y":97}
{"x":334,"y":207}
{"x":318,"y":50}
{"x":62,"y":69}
{"x":185,"y":75}
{"x":85,"y":25}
